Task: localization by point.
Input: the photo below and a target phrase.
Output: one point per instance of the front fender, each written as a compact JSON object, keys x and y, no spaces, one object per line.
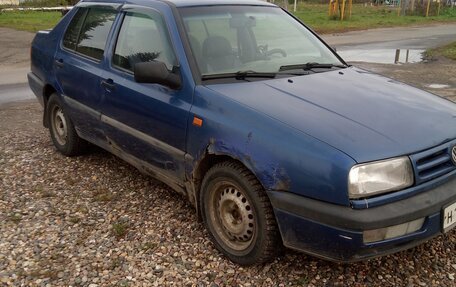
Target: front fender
{"x":281,"y":157}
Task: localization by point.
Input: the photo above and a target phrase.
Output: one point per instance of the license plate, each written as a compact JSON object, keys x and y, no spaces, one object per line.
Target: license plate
{"x":449,"y":217}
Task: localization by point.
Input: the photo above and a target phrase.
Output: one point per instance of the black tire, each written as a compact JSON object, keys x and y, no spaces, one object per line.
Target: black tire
{"x":238,"y":215}
{"x":61,"y":128}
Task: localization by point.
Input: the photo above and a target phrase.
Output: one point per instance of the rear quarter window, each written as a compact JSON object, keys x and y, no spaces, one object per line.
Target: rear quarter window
{"x":88,"y":31}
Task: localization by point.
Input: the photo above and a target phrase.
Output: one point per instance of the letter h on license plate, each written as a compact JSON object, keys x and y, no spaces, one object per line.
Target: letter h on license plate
{"x":449,"y":217}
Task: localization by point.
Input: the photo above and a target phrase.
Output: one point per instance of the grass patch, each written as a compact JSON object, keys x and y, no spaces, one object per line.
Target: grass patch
{"x":116,"y":263}
{"x":31,"y":21}
{"x":74,"y":219}
{"x":42,"y":273}
{"x":43,"y":193}
{"x":123,"y":283}
{"x":120,"y":229}
{"x":71,"y":181}
{"x":149,"y":246}
{"x":448,"y":51}
{"x":15,"y":217}
{"x":47,"y":194}
{"x":314,"y":15}
{"x":302,"y":281}
{"x":82,"y":209}
{"x":102,"y":195}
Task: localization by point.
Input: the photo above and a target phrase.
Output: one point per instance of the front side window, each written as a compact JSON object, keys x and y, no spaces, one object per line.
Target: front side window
{"x":143,"y":37}
{"x":229,"y":39}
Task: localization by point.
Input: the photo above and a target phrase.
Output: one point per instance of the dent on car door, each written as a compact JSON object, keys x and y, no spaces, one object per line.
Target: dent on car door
{"x":145,"y":123}
{"x":78,"y":66}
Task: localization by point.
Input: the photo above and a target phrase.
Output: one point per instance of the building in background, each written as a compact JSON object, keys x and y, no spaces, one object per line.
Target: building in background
{"x":9,"y":2}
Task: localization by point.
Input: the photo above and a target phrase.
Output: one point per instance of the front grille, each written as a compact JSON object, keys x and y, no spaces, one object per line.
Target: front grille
{"x":433,"y":163}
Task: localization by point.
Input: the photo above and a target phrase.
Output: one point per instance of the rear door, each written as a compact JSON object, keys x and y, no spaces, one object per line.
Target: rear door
{"x":146,"y":121}
{"x":78,"y":66}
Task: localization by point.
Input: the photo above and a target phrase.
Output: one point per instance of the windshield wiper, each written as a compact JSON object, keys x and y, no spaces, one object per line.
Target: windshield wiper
{"x":310,"y":66}
{"x":239,"y":75}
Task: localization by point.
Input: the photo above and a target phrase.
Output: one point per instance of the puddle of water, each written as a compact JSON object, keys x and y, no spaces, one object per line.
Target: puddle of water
{"x":382,"y":56}
{"x":438,"y":86}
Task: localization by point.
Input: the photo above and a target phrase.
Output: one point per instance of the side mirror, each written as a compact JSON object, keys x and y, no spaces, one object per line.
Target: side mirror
{"x":155,"y":72}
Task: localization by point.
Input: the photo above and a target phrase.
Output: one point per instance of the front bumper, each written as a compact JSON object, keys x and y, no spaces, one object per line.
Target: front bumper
{"x":335,"y":232}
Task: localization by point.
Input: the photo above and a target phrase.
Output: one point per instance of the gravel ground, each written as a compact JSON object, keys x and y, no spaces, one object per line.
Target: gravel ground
{"x":95,"y":221}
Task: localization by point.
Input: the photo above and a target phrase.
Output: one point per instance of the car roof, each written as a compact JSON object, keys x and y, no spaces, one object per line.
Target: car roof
{"x":189,"y":3}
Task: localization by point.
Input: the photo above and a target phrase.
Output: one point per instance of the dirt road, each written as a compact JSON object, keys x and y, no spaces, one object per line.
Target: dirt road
{"x":14,"y":65}
{"x":397,"y":37}
{"x":436,"y":75}
{"x":15,"y":48}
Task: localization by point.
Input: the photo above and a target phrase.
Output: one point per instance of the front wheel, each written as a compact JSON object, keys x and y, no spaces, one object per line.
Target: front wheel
{"x":238,"y":215}
{"x":61,"y":128}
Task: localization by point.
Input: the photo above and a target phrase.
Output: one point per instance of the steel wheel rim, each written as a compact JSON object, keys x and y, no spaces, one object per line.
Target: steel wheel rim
{"x":232,"y":216}
{"x":59,"y":125}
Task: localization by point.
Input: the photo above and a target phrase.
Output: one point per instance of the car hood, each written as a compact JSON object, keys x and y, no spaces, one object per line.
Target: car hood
{"x":364,"y":115}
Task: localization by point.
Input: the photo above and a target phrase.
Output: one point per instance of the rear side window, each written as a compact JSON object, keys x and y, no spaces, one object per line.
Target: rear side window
{"x":143,"y":38}
{"x":70,"y":39}
{"x":94,"y":32}
{"x":88,"y":31}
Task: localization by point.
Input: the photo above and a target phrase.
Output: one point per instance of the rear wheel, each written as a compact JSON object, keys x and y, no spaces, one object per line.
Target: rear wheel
{"x":238,"y":215}
{"x":63,"y":133}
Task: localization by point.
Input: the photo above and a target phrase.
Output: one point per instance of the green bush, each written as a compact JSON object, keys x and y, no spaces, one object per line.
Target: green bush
{"x":47,"y":3}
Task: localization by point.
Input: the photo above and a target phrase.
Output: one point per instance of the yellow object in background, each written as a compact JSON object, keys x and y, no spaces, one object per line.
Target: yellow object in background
{"x":334,"y":8}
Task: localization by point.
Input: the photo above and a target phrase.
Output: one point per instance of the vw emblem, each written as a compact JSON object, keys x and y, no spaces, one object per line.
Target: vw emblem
{"x":453,"y":154}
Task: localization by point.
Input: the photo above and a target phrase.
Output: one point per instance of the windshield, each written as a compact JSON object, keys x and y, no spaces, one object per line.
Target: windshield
{"x":229,"y":39}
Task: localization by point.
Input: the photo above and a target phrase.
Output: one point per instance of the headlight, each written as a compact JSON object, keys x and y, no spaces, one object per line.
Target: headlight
{"x":380,"y":177}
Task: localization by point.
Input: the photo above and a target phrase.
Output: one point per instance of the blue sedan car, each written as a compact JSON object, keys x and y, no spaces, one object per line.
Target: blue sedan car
{"x":245,"y":111}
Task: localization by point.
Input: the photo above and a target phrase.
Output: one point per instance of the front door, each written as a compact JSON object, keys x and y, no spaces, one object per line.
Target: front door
{"x":145,"y":122}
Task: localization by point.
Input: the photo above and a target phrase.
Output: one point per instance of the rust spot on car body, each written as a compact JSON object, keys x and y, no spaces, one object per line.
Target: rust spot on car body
{"x":270,"y":174}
